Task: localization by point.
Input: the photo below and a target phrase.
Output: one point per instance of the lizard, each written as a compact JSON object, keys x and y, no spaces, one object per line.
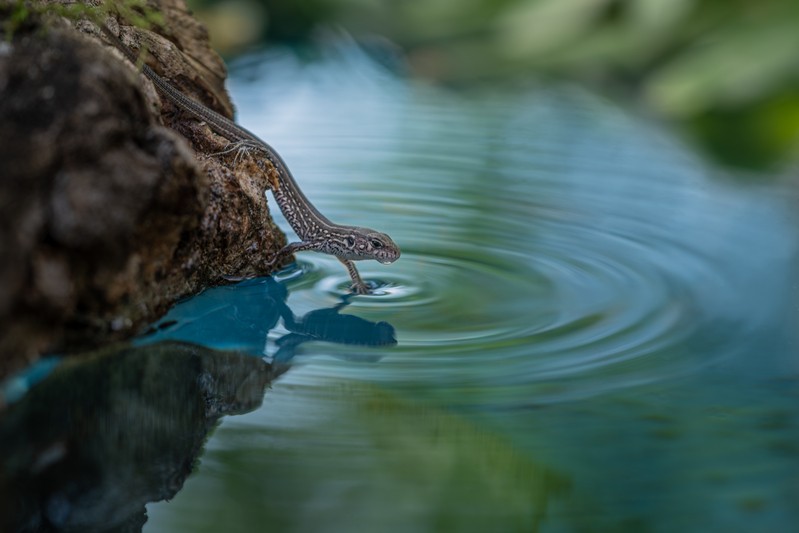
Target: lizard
{"x":316,"y":232}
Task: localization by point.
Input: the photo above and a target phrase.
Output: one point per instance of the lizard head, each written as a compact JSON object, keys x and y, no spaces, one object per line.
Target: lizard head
{"x":365,"y":243}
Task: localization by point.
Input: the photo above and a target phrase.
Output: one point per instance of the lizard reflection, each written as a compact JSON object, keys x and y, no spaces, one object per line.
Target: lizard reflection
{"x":331,"y":326}
{"x":242,"y":317}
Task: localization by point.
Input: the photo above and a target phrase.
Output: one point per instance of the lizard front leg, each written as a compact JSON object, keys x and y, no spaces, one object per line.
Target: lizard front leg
{"x":357,"y":283}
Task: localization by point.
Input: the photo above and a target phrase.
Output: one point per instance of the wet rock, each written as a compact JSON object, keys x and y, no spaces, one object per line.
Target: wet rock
{"x":107,"y":217}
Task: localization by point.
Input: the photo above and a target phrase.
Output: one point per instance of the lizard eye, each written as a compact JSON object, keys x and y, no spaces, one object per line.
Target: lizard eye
{"x":377,"y":244}
{"x":350,"y":241}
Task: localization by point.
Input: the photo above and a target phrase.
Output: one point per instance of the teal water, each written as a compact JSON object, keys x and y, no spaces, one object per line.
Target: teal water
{"x":590,"y":328}
{"x":595,"y":330}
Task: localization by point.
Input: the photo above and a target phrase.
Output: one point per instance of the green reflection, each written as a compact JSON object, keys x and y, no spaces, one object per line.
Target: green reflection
{"x":368,"y":460}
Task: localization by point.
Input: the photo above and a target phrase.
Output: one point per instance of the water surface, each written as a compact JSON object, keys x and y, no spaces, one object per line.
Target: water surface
{"x":590,"y":328}
{"x":595,"y":329}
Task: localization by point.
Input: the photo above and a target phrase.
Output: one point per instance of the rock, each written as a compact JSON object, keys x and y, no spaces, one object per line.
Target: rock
{"x":107,"y":217}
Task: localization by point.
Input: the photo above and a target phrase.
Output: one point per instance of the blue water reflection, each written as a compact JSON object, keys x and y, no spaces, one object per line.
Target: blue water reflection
{"x":245,"y":318}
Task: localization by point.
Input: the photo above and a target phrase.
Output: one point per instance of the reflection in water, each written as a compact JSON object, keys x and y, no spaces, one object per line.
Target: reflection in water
{"x":328,"y":325}
{"x":100,"y":437}
{"x":243,"y":316}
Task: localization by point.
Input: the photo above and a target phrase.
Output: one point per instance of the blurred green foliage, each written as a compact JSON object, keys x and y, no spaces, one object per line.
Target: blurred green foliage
{"x":725,"y":69}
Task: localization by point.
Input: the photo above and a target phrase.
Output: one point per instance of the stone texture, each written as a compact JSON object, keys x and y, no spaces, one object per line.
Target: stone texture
{"x":112,"y":206}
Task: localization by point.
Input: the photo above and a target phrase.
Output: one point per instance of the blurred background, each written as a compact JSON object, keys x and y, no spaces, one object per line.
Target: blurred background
{"x":723,"y":72}
{"x":593,"y":325}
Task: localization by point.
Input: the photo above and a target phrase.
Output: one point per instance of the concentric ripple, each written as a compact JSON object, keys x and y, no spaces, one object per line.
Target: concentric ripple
{"x":552,"y":247}
{"x":579,"y":311}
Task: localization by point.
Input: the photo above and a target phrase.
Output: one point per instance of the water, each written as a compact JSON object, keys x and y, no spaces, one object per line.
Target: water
{"x":590,"y":329}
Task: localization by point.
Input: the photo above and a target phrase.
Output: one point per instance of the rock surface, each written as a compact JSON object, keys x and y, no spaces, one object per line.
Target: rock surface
{"x":108,"y":217}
